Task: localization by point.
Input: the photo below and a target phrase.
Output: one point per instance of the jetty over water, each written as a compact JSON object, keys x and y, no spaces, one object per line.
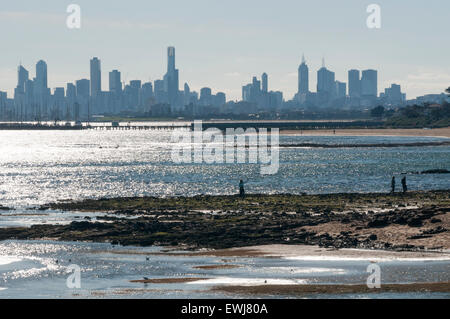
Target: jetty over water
{"x":189,"y":125}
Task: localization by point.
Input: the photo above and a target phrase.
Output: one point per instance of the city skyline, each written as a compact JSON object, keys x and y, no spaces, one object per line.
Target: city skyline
{"x":102,"y":79}
{"x":219,"y":52}
{"x":81,"y":98}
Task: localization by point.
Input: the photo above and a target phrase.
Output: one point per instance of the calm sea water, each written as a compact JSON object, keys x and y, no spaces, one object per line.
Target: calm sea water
{"x":38,"y":167}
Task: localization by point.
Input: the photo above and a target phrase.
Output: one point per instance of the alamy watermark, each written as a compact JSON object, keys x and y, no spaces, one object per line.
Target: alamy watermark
{"x":212,"y":146}
{"x":73,"y":20}
{"x":374,"y":279}
{"x":374,"y":19}
{"x":74,"y":279}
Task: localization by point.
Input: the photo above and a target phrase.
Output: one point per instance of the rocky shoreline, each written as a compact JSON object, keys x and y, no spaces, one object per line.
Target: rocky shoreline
{"x":411,"y":221}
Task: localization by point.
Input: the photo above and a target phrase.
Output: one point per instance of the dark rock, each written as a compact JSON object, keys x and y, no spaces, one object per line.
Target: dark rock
{"x":415,"y":222}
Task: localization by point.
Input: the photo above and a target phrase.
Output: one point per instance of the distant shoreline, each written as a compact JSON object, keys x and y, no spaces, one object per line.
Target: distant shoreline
{"x":415,"y":132}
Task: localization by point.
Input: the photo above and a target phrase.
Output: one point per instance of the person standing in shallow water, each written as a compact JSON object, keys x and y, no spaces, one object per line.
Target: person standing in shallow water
{"x":393,"y":185}
{"x":405,"y":188}
{"x":241,"y":189}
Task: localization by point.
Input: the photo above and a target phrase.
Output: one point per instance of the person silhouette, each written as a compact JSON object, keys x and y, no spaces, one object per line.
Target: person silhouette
{"x":393,"y":185}
{"x":241,"y":189}
{"x":405,"y":188}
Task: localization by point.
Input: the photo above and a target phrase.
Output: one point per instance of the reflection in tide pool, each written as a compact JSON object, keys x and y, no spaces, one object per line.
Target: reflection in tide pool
{"x":39,"y":269}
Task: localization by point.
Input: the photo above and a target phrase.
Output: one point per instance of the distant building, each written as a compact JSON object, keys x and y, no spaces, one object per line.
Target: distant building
{"x":393,"y":96}
{"x":115,"y":84}
{"x":205,"y":96}
{"x":369,"y":83}
{"x":171,"y":85}
{"x":22,"y":78}
{"x":265,"y":84}
{"x":354,"y":84}
{"x":96,"y":77}
{"x":325,"y":81}
{"x":303,"y":77}
{"x":83,"y":87}
{"x":341,"y":89}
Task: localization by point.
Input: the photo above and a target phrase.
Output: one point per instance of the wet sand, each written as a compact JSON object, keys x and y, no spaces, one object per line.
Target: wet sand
{"x":333,"y":289}
{"x":316,"y":252}
{"x":167,"y":280}
{"x":435,"y":132}
{"x":211,"y":267}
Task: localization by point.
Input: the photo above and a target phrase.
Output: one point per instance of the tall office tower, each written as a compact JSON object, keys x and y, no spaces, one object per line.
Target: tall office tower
{"x":41,"y":77}
{"x":187,"y":94}
{"x":71,"y":95}
{"x":205,"y":96}
{"x":264,"y":79}
{"x":82,"y":88}
{"x":96,"y":77}
{"x":341,"y":89}
{"x":394,"y":95}
{"x":115,"y":84}
{"x":22,"y":78}
{"x":83,"y":106}
{"x":354,"y":83}
{"x":187,"y":89}
{"x":146,"y":94}
{"x":325,"y":81}
{"x":160,"y":94}
{"x":220,"y":99}
{"x":59,"y":93}
{"x":303,"y":77}
{"x":246,"y":92}
{"x":58,"y":108}
{"x":369,"y":83}
{"x":171,"y":86}
{"x":29,"y":91}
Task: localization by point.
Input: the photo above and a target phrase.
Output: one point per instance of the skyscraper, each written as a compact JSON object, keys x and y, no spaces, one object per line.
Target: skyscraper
{"x":265,"y":84}
{"x":325,"y":81}
{"x":71,"y":92}
{"x":369,"y":83}
{"x":205,"y":96}
{"x":96,"y":77}
{"x":22,"y":77}
{"x":171,"y":86}
{"x":115,"y":84}
{"x":82,"y":88}
{"x":303,"y":77}
{"x":41,"y":77}
{"x":341,"y":89}
{"x":354,"y":83}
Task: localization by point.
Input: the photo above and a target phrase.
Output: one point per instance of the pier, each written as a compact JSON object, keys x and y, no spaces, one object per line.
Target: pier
{"x":188,"y":125}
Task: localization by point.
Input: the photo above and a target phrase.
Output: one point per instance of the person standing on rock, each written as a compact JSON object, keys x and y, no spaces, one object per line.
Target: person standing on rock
{"x":405,"y":188}
{"x":241,"y":189}
{"x":393,"y":185}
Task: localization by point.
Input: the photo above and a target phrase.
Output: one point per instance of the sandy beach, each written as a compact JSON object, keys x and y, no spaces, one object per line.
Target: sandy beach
{"x":435,"y":132}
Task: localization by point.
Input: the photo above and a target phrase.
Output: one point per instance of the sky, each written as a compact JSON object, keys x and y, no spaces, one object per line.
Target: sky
{"x":223,"y":44}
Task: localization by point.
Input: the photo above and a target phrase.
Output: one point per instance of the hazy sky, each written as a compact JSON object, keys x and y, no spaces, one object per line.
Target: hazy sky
{"x":222,"y":44}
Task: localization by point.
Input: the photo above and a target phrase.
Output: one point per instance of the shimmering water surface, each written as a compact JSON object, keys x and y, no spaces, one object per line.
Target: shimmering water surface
{"x":39,"y":269}
{"x":38,"y":167}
